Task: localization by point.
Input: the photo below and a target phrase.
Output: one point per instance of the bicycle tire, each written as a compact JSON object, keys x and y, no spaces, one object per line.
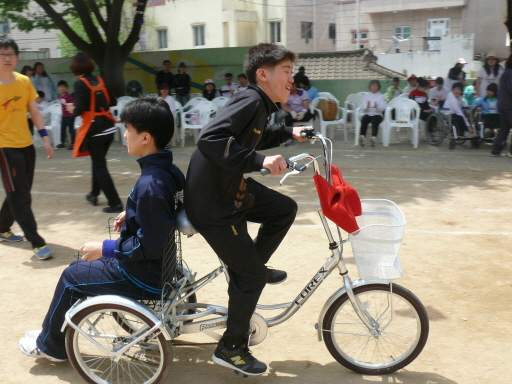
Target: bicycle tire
{"x":367,"y":361}
{"x":436,"y":129}
{"x":148,"y":361}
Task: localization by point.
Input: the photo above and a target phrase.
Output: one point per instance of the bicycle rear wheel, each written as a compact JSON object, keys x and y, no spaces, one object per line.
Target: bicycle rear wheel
{"x":436,"y":129}
{"x":147,"y":361}
{"x":401,"y":336}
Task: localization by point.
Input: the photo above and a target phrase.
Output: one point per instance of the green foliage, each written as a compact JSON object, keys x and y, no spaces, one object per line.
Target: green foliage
{"x":67,"y":48}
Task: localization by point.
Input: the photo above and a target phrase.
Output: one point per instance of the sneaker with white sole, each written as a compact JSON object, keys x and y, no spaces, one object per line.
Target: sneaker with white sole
{"x":10,"y":237}
{"x":43,"y":253}
{"x":240,"y":359}
{"x":373,"y":141}
{"x":498,"y":155}
{"x":361,"y":141}
{"x":28,"y":347}
{"x":509,"y":154}
{"x":34,"y":334}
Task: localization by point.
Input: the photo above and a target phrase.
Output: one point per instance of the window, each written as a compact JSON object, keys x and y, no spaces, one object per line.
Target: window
{"x":402,"y":32}
{"x":162,"y":38}
{"x":332,"y":32}
{"x":198,"y":35}
{"x":363,"y":36}
{"x":306,"y":30}
{"x":437,"y":28}
{"x":275,"y":32}
{"x":4,"y":26}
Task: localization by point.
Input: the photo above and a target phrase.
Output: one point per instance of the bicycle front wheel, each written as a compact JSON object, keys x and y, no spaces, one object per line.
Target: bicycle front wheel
{"x":401,"y":336}
{"x":145,"y":362}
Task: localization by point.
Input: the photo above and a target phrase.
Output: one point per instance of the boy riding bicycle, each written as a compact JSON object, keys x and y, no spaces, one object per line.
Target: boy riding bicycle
{"x":220,"y":201}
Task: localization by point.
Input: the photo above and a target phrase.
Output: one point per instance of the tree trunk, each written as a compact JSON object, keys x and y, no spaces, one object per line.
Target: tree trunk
{"x":112,"y":71}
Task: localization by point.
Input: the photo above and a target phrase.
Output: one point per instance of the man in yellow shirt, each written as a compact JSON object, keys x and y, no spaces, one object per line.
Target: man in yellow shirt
{"x":17,"y":153}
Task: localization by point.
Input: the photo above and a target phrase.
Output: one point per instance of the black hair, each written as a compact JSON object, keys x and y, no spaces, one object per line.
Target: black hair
{"x":423,"y":83}
{"x":487,"y":67}
{"x":493,"y":88}
{"x":458,"y":84}
{"x":150,"y":115}
{"x":41,"y":94}
{"x":439,"y":80}
{"x":62,"y":82}
{"x":37,"y":65}
{"x":374,"y":82}
{"x":81,"y":64}
{"x":265,"y":55}
{"x":229,"y":74}
{"x":242,"y":75}
{"x":396,"y":79}
{"x":166,"y":61}
{"x":304,"y":80}
{"x":25,"y":69}
{"x":7,"y":42}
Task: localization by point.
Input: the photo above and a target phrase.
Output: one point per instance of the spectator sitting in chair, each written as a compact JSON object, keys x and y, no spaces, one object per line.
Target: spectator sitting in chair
{"x":488,"y":105}
{"x":242,"y":83}
{"x":420,"y":96}
{"x":297,"y":106}
{"x":413,"y":84}
{"x":373,"y":105}
{"x":393,"y":90}
{"x":306,"y":85}
{"x":209,"y":91}
{"x":439,"y":92}
{"x":228,"y":89}
{"x":454,"y":104}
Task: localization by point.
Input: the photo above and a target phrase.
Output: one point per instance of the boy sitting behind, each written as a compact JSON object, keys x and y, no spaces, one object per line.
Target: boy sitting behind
{"x":120,"y":266}
{"x":454,"y":104}
{"x":420,"y":96}
{"x":488,"y":105}
{"x":68,"y":119}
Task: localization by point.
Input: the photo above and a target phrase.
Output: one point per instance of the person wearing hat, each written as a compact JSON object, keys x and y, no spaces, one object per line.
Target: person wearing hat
{"x":182,"y":84}
{"x":456,"y":74}
{"x":413,"y":84}
{"x":490,"y":73}
{"x":209,"y":91}
{"x":439,"y":92}
{"x":393,"y":90}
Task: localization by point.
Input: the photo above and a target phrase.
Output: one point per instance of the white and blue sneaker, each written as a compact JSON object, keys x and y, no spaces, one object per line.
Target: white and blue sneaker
{"x":43,"y":252}
{"x":10,"y":237}
{"x":28,"y":347}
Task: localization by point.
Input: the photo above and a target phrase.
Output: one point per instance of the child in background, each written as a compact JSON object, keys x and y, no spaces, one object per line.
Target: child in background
{"x":164,"y":95}
{"x":488,"y":105}
{"x":439,"y":92}
{"x":373,"y":105}
{"x":420,"y":96}
{"x":242,"y":83}
{"x":40,"y":101}
{"x":68,"y":119}
{"x":228,"y":89}
{"x":454,"y":104}
{"x":469,"y":94}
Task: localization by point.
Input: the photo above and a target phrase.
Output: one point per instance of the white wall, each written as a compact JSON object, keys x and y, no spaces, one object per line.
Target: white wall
{"x":432,"y":64}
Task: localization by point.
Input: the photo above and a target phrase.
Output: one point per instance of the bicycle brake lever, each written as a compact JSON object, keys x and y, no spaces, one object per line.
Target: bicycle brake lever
{"x":294,"y":172}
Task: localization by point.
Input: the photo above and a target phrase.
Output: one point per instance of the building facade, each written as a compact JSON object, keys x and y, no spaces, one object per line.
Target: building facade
{"x":394,"y":26}
{"x":300,"y":25}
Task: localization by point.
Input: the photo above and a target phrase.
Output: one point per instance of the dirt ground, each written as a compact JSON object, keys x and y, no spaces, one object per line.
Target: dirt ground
{"x":456,"y":256}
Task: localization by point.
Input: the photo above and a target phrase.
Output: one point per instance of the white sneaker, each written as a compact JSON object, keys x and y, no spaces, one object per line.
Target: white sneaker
{"x":509,"y":154}
{"x":373,"y":141}
{"x":29,"y":348}
{"x":361,"y":141}
{"x":33,"y":334}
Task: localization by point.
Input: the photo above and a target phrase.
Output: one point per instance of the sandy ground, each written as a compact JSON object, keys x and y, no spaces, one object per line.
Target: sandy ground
{"x":456,"y":256}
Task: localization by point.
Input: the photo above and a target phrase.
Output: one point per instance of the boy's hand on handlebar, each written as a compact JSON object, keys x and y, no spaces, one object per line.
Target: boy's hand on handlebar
{"x":118,"y":223}
{"x":275,"y":164}
{"x":91,"y":250}
{"x":297,"y":134}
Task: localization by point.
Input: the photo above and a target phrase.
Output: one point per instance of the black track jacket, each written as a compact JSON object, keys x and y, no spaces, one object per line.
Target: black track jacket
{"x":215,"y":188}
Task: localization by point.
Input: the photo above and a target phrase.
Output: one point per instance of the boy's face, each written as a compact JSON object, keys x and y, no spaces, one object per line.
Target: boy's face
{"x":8,"y":59}
{"x":413,"y":82}
{"x":396,"y":84}
{"x":440,"y":86}
{"x":276,"y":82}
{"x":134,"y":140}
{"x":229,"y":80}
{"x":62,"y":88}
{"x":457,"y":92}
{"x":490,"y":94}
{"x":39,"y":99}
{"x":242,"y":81}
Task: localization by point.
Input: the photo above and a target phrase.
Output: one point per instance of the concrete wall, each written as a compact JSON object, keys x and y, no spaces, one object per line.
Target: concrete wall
{"x":432,"y":64}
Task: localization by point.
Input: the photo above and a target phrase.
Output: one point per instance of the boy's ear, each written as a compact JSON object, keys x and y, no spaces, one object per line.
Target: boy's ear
{"x":262,"y":75}
{"x":146,"y":138}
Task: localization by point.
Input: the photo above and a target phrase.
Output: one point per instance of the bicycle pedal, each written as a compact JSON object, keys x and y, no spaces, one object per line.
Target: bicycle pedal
{"x":240,"y":374}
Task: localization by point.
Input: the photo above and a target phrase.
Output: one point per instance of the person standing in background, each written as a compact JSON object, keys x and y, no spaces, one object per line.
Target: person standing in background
{"x":182,"y":84}
{"x":165,"y":76}
{"x":456,"y":74}
{"x":17,"y":153}
{"x":505,"y":108}
{"x":44,"y":82}
{"x":228,"y":89}
{"x":93,"y":101}
{"x":490,"y":73}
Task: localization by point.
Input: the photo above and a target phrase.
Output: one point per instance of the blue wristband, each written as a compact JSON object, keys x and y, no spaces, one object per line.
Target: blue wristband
{"x":43,"y":132}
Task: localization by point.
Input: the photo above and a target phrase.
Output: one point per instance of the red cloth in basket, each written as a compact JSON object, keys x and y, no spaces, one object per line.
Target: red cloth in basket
{"x":339,"y":200}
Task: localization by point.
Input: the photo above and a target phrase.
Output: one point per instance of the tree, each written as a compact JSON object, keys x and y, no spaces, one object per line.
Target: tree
{"x":101,"y":21}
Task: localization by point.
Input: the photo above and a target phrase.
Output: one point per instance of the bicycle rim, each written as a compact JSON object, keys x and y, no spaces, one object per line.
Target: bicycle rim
{"x":144,"y":362}
{"x":403,"y":330}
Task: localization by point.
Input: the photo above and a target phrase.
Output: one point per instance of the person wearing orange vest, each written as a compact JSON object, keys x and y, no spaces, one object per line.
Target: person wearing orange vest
{"x":17,"y":153}
{"x":96,"y":134}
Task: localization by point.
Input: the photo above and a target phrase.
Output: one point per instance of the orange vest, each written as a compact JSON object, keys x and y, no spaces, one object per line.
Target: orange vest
{"x":89,"y":116}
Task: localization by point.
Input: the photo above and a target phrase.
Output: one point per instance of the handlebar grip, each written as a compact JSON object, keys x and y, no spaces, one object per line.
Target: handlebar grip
{"x":265,"y":171}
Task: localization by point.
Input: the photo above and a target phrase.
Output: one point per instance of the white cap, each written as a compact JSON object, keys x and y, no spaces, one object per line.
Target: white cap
{"x":209,"y":81}
{"x":461,"y":61}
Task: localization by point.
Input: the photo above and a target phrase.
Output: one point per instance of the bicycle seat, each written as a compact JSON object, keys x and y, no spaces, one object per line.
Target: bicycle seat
{"x":184,"y":224}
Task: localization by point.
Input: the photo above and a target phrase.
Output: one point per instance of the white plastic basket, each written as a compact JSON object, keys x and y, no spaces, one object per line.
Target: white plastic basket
{"x":376,"y":243}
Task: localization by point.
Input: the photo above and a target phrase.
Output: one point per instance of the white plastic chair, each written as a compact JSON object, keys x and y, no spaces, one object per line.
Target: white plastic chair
{"x":220,"y":102}
{"x":196,"y":95}
{"x":406,"y":115}
{"x":205,"y":109}
{"x":403,"y":96}
{"x":54,"y":112}
{"x":193,"y":102}
{"x":125,"y":99}
{"x":330,"y":123}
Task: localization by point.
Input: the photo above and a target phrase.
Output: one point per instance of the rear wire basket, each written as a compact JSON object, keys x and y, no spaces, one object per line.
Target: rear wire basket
{"x":376,"y":243}
{"x":89,"y":276}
